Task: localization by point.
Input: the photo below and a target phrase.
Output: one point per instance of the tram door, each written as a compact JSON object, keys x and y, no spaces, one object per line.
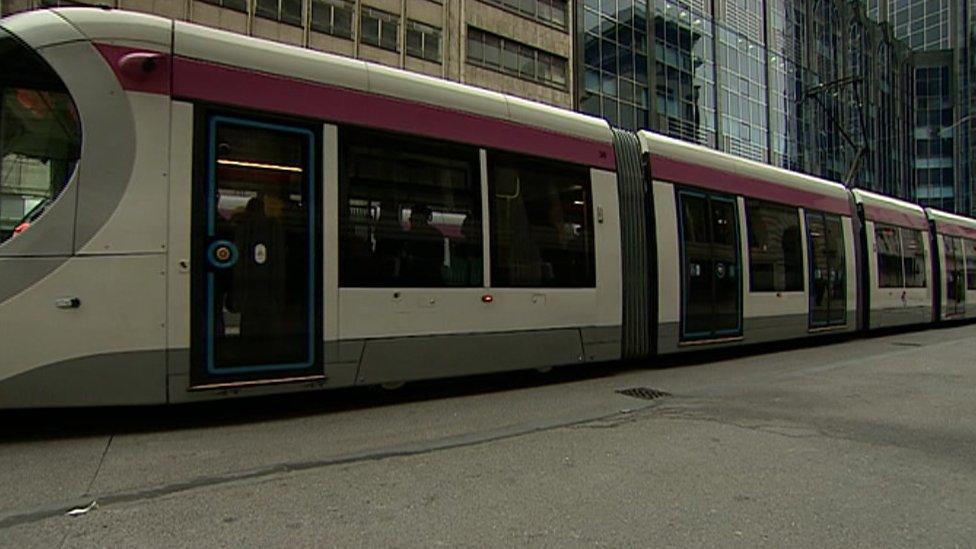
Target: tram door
{"x":955,"y":276}
{"x":711,"y":282}
{"x":828,"y":283}
{"x":256,"y":287}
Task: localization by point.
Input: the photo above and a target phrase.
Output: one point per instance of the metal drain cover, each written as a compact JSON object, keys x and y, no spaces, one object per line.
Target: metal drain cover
{"x":645,"y":393}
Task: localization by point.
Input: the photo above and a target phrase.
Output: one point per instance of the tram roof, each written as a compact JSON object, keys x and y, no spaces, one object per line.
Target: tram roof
{"x":192,"y":41}
{"x":886,"y":209}
{"x":677,"y":160}
{"x":952,"y":224}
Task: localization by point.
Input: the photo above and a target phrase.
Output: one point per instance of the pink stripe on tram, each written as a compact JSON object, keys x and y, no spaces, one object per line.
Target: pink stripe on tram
{"x":195,"y":79}
{"x":232,"y":86}
{"x":130,"y":66}
{"x":678,"y":171}
{"x":952,"y":229}
{"x":895,"y":217}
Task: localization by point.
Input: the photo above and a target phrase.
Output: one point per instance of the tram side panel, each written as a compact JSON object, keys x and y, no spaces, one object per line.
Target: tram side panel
{"x":969,"y":251}
{"x":381,"y":324}
{"x":767,"y":314}
{"x":87,"y":327}
{"x":898,"y":259}
{"x":955,"y":256}
{"x":387,"y":322}
{"x":179,"y":259}
{"x":668,"y":268}
{"x":898,"y":275}
{"x":509,"y":321}
{"x":775,"y":306}
{"x":963,"y":243}
{"x":951,"y":302}
{"x":747,"y":252}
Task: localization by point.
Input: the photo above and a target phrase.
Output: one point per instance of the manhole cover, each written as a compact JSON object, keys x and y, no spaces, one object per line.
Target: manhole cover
{"x":645,"y":393}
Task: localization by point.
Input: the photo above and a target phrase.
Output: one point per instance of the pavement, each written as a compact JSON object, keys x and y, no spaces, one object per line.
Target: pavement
{"x":868,"y":442}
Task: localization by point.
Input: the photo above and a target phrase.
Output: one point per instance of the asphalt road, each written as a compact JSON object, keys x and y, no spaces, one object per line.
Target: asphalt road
{"x":868,"y":442}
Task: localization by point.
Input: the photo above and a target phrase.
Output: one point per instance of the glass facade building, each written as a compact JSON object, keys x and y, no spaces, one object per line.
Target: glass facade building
{"x":941,"y":34}
{"x":809,"y":85}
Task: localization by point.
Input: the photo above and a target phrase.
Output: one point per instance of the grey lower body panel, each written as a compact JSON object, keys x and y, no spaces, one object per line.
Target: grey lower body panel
{"x":754,"y":330}
{"x":900,"y":316}
{"x":114,"y":379}
{"x":426,"y":357}
{"x":160,"y":376}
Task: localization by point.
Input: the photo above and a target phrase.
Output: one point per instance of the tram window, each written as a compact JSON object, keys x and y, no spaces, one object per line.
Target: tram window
{"x":410,"y":212}
{"x":541,"y":229}
{"x":888,"y":245}
{"x":913,"y":258}
{"x":40,"y":137}
{"x":775,"y":253}
{"x":953,"y":250}
{"x":970,"y":246}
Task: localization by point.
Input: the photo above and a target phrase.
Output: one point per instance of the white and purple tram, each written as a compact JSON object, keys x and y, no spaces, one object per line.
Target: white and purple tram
{"x":190,"y":214}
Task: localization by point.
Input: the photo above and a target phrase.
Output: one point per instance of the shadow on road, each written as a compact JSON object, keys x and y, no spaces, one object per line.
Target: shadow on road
{"x":39,"y":424}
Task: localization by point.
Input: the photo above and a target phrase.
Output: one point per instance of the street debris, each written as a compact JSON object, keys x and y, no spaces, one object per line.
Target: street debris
{"x":79,"y":511}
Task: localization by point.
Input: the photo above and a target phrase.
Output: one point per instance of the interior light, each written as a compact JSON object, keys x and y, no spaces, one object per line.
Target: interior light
{"x":259,"y":165}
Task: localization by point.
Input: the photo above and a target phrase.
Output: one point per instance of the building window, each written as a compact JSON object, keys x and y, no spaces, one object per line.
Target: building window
{"x":552,"y":12}
{"x":333,"y":17}
{"x":615,"y":63}
{"x":775,"y":250}
{"x":410,"y":212}
{"x":501,"y":54}
{"x":423,"y":41}
{"x":286,"y":11}
{"x":236,"y":5}
{"x":742,"y":95}
{"x":541,"y":233}
{"x":380,"y":29}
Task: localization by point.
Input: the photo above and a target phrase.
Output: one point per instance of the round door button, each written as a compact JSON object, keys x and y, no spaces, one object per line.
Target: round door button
{"x":222,"y":254}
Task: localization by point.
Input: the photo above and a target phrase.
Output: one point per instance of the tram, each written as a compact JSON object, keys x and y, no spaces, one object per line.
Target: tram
{"x":190,"y":214}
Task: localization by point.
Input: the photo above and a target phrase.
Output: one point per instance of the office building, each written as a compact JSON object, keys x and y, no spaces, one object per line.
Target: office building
{"x":808,"y":85}
{"x":941,"y":33}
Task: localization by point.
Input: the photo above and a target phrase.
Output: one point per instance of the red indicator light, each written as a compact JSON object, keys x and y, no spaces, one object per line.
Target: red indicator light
{"x":487,"y":298}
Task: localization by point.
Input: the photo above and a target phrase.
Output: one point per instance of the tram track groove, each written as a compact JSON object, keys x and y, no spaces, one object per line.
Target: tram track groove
{"x":58,"y":509}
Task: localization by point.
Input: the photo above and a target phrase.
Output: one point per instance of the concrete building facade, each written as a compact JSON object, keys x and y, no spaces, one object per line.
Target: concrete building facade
{"x":522,"y":47}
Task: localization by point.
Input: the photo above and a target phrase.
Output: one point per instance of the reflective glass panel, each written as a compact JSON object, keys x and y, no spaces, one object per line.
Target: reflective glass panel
{"x":410,"y":212}
{"x":542,"y":234}
{"x":40,"y":136}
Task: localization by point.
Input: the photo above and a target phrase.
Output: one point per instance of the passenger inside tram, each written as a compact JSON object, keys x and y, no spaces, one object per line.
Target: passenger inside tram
{"x":423,"y":248}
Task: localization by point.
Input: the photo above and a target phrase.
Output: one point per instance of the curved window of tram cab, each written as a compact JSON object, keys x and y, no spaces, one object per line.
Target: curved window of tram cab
{"x":40,"y":136}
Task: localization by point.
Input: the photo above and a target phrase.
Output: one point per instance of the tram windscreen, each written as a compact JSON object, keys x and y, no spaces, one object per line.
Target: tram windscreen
{"x":40,"y":136}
